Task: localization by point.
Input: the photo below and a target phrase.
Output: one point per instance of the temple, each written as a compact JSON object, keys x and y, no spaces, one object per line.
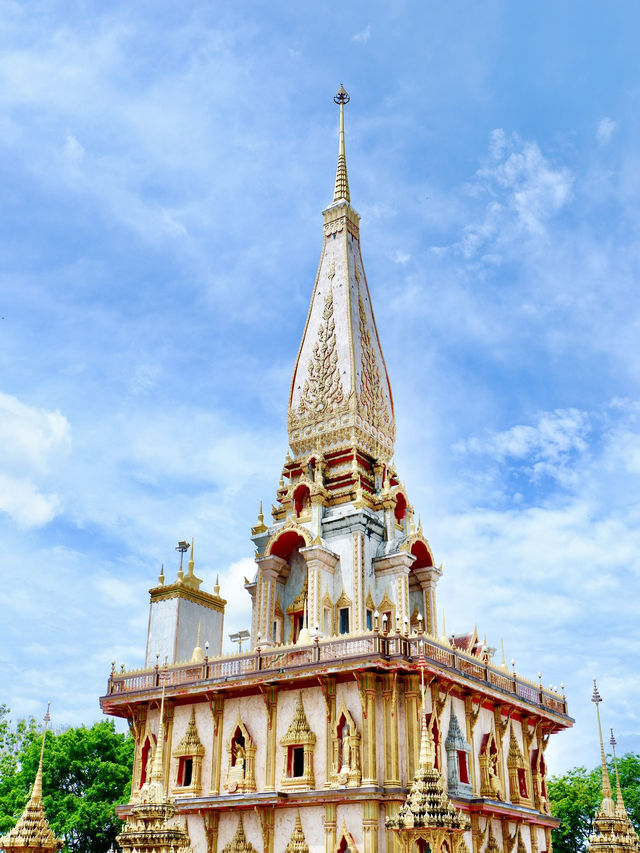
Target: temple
{"x":353,"y":724}
{"x":613,"y":831}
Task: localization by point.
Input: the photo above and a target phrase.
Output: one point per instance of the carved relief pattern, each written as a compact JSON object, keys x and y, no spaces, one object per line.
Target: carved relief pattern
{"x":322,"y":390}
{"x":372,"y":397}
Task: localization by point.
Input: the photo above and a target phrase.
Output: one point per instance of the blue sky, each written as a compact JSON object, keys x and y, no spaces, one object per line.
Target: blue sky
{"x":164,"y":166}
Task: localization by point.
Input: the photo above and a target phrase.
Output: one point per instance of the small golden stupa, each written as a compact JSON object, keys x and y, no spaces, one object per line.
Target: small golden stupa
{"x":613,"y":830}
{"x":32,"y":833}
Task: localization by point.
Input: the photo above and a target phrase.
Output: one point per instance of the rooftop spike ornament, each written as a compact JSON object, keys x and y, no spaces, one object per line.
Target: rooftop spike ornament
{"x":613,"y":832}
{"x":341,"y":190}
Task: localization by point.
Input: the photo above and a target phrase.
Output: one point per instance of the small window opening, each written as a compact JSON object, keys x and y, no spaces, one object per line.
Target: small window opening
{"x":296,"y":762}
{"x":369,"y":620}
{"x":344,"y":620}
{"x":462,"y":766}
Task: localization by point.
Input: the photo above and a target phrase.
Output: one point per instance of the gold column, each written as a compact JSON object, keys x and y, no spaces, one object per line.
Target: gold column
{"x":471,"y":718}
{"x":390,"y":710}
{"x":392,"y":838}
{"x":328,"y":686}
{"x":358,"y":581}
{"x":368,"y":690}
{"x":211,"y":821}
{"x":270,"y":696}
{"x":501,"y":728}
{"x":370,"y":827}
{"x":476,"y":836}
{"x":267,"y":823}
{"x":168,"y":723}
{"x":548,"y":839}
{"x":216,"y":706}
{"x":411,"y":705}
{"x":533,"y":835}
{"x":330,"y":827}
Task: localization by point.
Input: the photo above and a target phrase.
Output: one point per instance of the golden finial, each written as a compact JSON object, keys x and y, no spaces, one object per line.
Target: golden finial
{"x":420,"y":533}
{"x":36,"y":793}
{"x":606,"y":784}
{"x":341,"y":190}
{"x":198,"y":656}
{"x":504,"y":663}
{"x":619,"y":801}
{"x":161,"y":575}
{"x":216,"y":588}
{"x":191,"y":563}
{"x":261,"y":514}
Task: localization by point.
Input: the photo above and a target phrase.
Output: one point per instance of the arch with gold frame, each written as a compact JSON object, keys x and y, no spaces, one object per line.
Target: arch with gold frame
{"x":345,"y":750}
{"x":241,"y":751}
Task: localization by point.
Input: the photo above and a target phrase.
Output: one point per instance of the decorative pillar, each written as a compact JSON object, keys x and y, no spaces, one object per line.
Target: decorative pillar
{"x":397,"y":567}
{"x":330,"y":827}
{"x":390,"y":710}
{"x":269,"y":570}
{"x":391,"y":809}
{"x":370,"y":827}
{"x":501,"y":728}
{"x":412,"y":729}
{"x":318,"y":560}
{"x":533,"y":835}
{"x":548,"y":839}
{"x":428,"y":578}
{"x":211,"y":821}
{"x":168,"y":727}
{"x":368,"y":690}
{"x":471,"y":718}
{"x":267,"y":823}
{"x":328,"y":686}
{"x":216,"y":706}
{"x":270,"y":696}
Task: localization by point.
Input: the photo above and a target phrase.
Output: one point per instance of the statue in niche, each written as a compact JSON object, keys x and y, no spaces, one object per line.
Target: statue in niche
{"x":345,"y":771}
{"x":242,"y":752}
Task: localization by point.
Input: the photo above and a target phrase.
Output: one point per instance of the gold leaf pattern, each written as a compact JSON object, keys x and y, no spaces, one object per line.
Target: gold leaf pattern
{"x":372,"y":397}
{"x":322,"y":390}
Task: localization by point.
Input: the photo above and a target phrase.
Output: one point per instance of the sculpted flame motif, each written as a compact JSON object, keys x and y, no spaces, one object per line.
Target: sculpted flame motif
{"x":322,"y":390}
{"x":371,"y":395}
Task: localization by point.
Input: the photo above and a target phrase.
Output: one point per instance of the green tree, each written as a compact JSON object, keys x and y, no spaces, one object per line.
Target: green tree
{"x":576,"y":796}
{"x":86,"y":772}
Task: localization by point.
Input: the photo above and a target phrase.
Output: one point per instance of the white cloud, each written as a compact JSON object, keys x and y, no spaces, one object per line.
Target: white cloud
{"x":363,"y":36}
{"x":606,"y":128}
{"x":30,"y":436}
{"x":28,"y":507}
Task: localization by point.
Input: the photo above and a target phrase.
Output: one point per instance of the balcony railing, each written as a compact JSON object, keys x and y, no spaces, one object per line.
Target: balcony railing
{"x":355,"y":647}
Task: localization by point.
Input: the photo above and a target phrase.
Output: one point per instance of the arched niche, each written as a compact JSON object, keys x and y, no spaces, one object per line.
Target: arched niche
{"x":241,"y":753}
{"x":345,"y":751}
{"x":302,"y":500}
{"x":490,"y":785}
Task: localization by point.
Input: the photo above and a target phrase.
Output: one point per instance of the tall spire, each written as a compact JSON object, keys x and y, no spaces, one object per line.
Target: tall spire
{"x":341,"y":190}
{"x":32,"y":831}
{"x":620,"y":809}
{"x":606,"y":784}
{"x":340,"y":399}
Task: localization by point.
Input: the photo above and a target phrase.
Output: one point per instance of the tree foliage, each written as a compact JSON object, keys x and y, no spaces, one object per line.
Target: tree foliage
{"x":85,"y":771}
{"x":576,"y":796}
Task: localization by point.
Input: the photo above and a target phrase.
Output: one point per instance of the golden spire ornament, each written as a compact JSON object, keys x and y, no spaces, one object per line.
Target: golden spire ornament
{"x":32,"y":831}
{"x":341,"y":190}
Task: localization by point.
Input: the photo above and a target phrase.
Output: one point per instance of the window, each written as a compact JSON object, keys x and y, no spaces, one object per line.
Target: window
{"x":462,"y":766}
{"x":296,"y":757}
{"x":185,"y":772}
{"x":344,"y":620}
{"x":369,"y":620}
